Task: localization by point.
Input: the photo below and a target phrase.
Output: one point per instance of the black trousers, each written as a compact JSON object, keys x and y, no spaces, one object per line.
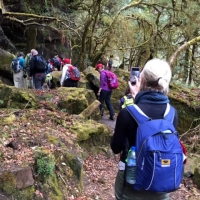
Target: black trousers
{"x":70,"y":83}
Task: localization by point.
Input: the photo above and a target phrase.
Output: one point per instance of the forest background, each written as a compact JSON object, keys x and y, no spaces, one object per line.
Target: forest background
{"x":132,"y":31}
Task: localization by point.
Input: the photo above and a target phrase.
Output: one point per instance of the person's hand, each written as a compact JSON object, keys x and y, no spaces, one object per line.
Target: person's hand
{"x":98,"y":94}
{"x":134,"y":89}
{"x":30,"y":77}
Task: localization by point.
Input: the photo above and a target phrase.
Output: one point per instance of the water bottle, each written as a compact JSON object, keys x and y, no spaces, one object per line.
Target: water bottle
{"x":131,"y":166}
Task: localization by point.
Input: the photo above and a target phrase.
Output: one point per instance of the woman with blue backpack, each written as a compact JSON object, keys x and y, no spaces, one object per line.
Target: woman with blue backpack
{"x":149,"y":126}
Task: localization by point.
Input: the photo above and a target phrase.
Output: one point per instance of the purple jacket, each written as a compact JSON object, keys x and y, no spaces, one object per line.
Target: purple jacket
{"x":104,"y":81}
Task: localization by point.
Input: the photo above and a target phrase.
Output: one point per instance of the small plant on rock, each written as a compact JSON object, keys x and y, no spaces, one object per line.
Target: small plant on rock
{"x":45,"y":164}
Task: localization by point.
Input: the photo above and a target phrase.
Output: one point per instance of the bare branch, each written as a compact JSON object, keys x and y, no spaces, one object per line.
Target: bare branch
{"x":181,"y":48}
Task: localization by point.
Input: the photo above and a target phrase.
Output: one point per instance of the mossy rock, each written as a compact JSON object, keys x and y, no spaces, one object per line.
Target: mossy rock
{"x":87,"y":129}
{"x":70,"y":163}
{"x":12,"y":97}
{"x":118,"y":93}
{"x":56,"y":78}
{"x":8,"y":183}
{"x":6,"y":59}
{"x":122,"y":74}
{"x":84,"y":83}
{"x":7,"y":120}
{"x":196,"y":178}
{"x":183,"y":99}
{"x":92,"y":76}
{"x":75,"y":100}
{"x":25,"y":194}
{"x":52,"y":188}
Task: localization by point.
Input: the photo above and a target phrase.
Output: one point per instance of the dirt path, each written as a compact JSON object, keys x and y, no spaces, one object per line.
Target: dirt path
{"x":100,"y":172}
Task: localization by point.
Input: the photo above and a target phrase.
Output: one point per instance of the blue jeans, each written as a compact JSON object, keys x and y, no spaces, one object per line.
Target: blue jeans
{"x":129,"y":194}
{"x":105,"y":96}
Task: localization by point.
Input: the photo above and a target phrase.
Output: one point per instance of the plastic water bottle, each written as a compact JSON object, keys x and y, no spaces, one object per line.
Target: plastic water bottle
{"x":131,"y":166}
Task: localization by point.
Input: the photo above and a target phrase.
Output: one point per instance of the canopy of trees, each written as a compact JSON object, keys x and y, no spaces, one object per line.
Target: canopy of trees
{"x":135,"y":31}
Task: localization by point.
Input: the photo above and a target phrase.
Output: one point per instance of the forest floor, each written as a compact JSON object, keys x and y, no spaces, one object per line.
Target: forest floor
{"x":100,"y":172}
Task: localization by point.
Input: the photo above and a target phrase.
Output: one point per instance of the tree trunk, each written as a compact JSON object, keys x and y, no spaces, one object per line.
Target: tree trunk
{"x":191,"y":65}
{"x":31,"y":39}
{"x":90,"y":109}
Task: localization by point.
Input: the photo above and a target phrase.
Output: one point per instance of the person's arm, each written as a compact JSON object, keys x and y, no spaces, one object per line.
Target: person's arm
{"x":21,"y":62}
{"x":32,"y":66}
{"x":102,"y":81}
{"x":64,"y":71}
{"x":119,"y":137}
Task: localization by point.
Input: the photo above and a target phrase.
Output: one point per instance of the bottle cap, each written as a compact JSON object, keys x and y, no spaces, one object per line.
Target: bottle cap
{"x":133,"y":148}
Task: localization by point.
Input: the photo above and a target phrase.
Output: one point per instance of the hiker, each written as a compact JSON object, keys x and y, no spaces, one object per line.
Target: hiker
{"x":126,"y":100}
{"x":57,"y":62}
{"x":37,"y":69}
{"x":27,"y":68}
{"x":150,"y":94}
{"x":110,"y":63}
{"x":19,"y":74}
{"x":70,"y":74}
{"x":104,"y":92}
{"x":49,"y":67}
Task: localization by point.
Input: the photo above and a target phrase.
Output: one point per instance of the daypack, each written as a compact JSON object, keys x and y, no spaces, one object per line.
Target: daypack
{"x":112,"y":80}
{"x":73,"y":73}
{"x":41,"y":65}
{"x":159,"y":155}
{"x":28,"y":60}
{"x":56,"y":63}
{"x":15,"y":65}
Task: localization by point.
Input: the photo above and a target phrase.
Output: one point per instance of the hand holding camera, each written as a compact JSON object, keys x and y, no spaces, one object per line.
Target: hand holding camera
{"x":134,"y":72}
{"x":134,"y":83}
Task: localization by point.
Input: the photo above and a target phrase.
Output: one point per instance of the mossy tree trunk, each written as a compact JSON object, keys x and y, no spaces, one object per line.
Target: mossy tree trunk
{"x":191,"y":69}
{"x":185,"y":65}
{"x":88,"y":30}
{"x":31,"y":39}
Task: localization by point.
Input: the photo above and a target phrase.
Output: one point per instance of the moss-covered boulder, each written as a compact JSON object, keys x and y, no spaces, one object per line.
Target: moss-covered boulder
{"x":84,"y":83}
{"x":118,"y":93}
{"x":186,"y":101}
{"x":8,"y":119}
{"x":196,"y":178}
{"x":92,"y":111}
{"x":74,"y":100}
{"x":15,"y":179}
{"x":70,"y":163}
{"x":92,"y":76}
{"x":122,"y":74}
{"x":6,"y":59}
{"x":84,"y":130}
{"x":56,"y":78}
{"x":11,"y":97}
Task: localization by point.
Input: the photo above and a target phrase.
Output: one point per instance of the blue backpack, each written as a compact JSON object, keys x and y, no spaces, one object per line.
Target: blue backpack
{"x":159,"y":155}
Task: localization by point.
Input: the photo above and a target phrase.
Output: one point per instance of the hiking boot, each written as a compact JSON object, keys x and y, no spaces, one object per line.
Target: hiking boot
{"x":112,"y":118}
{"x":102,"y":112}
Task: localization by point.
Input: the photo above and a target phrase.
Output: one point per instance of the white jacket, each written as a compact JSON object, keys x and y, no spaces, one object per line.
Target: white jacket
{"x":64,"y":73}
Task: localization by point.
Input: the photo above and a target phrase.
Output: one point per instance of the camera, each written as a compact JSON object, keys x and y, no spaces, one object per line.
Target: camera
{"x":135,"y":71}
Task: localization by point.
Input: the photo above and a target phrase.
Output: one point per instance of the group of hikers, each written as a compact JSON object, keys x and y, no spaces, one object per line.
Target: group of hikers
{"x":38,"y":70}
{"x":145,"y":125}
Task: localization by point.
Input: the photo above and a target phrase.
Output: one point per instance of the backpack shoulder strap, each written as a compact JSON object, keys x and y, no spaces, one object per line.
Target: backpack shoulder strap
{"x":169,"y":113}
{"x":139,"y":116}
